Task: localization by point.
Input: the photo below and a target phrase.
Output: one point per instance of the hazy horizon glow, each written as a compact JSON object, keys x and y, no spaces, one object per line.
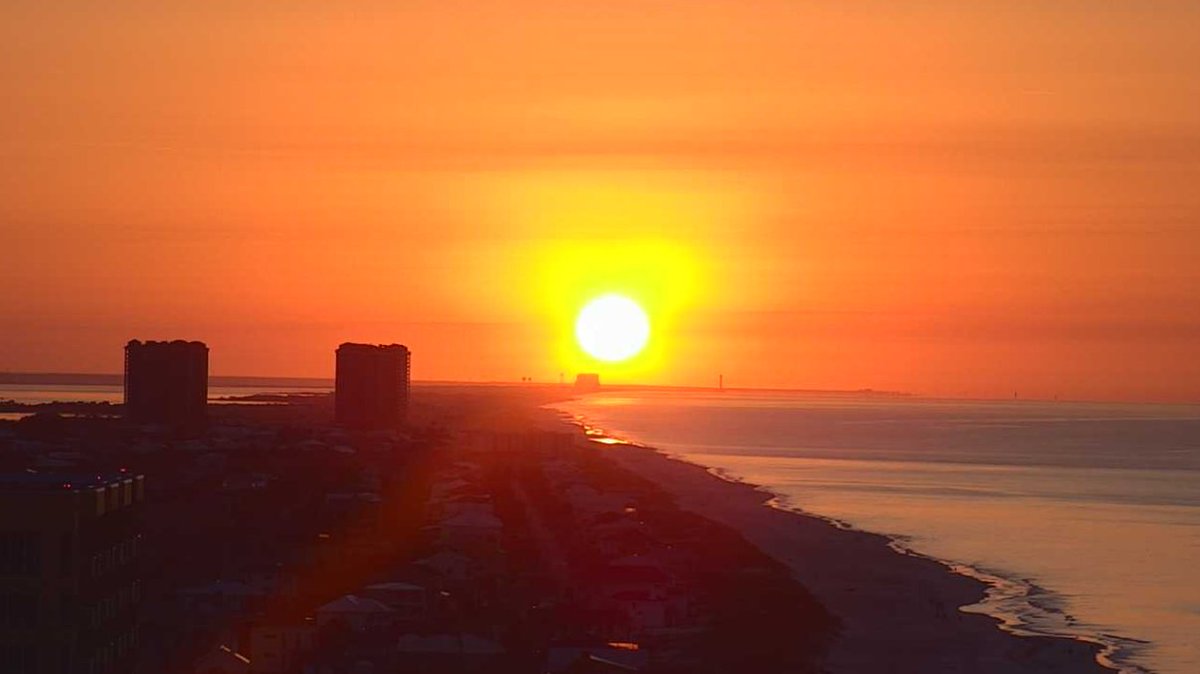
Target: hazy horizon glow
{"x":943,"y":199}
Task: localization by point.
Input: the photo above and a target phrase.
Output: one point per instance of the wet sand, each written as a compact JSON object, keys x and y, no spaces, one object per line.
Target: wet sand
{"x":898,"y":612}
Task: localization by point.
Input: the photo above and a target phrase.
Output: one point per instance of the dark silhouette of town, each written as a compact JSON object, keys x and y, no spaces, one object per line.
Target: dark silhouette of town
{"x":383,"y":528}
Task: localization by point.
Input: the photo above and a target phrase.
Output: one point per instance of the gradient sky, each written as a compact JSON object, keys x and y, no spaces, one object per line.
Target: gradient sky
{"x":945,"y":198}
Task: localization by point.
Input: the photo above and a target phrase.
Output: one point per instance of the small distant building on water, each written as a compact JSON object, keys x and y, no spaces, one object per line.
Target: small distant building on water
{"x":587,"y":381}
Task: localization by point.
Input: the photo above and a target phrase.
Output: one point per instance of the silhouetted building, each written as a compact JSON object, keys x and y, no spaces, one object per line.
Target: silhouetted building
{"x":69,"y":581}
{"x":587,"y":381}
{"x":372,"y":385}
{"x":166,"y":382}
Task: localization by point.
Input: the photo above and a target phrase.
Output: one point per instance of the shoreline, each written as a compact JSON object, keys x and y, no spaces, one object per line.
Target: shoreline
{"x":998,"y":587}
{"x":901,"y":610}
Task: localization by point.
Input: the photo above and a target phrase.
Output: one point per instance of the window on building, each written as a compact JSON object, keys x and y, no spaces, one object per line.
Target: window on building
{"x":18,"y":610}
{"x":66,"y":554}
{"x":18,"y":658}
{"x":20,"y":553}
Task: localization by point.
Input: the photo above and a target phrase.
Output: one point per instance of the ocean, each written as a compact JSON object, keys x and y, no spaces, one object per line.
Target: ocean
{"x":1083,"y":517}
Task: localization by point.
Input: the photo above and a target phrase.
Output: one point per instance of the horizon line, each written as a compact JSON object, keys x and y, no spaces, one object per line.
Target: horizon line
{"x":13,"y":377}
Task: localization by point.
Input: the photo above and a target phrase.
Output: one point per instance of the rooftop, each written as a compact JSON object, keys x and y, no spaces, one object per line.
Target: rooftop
{"x":177,"y":343}
{"x":32,"y":480}
{"x":354,"y":604}
{"x":354,"y":346}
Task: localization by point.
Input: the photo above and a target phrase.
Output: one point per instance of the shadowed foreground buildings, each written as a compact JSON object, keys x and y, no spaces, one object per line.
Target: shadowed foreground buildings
{"x":372,"y":385}
{"x":491,"y":540}
{"x":166,"y":383}
{"x":69,"y":586}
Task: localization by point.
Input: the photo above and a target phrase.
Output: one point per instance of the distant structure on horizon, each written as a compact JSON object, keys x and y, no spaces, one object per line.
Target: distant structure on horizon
{"x":166,"y":383}
{"x":587,"y":381}
{"x":371,"y":386}
{"x":69,"y":565}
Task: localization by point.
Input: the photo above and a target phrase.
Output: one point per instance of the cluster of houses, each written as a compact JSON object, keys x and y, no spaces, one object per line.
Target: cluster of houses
{"x":292,"y":548}
{"x":450,"y":606}
{"x":628,"y":583}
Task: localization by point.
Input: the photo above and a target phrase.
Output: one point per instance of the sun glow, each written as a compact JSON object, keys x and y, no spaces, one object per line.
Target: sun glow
{"x":612,"y":328}
{"x":653,"y":237}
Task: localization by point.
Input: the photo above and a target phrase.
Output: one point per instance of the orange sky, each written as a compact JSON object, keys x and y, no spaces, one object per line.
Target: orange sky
{"x":947,"y":198}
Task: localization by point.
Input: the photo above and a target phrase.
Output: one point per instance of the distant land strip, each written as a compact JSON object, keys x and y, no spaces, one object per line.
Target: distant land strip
{"x":82,"y":379}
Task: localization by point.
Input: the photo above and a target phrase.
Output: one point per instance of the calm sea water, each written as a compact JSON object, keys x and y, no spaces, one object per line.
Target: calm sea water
{"x":1086,"y":517}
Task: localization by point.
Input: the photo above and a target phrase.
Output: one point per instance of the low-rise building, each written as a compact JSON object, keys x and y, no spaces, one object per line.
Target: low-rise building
{"x":69,"y":573}
{"x":278,"y":647}
{"x":409,"y":601}
{"x":357,"y":613}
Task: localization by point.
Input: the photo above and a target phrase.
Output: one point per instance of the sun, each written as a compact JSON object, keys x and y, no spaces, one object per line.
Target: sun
{"x":612,"y":328}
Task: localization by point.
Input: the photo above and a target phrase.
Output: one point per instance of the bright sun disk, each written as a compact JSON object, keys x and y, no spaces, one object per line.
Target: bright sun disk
{"x":612,"y":328}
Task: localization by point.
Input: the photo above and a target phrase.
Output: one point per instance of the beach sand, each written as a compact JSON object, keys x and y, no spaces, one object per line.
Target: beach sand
{"x":898,"y":612}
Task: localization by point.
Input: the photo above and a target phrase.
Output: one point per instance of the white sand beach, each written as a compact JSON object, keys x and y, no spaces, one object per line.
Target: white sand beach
{"x":899,"y":612}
